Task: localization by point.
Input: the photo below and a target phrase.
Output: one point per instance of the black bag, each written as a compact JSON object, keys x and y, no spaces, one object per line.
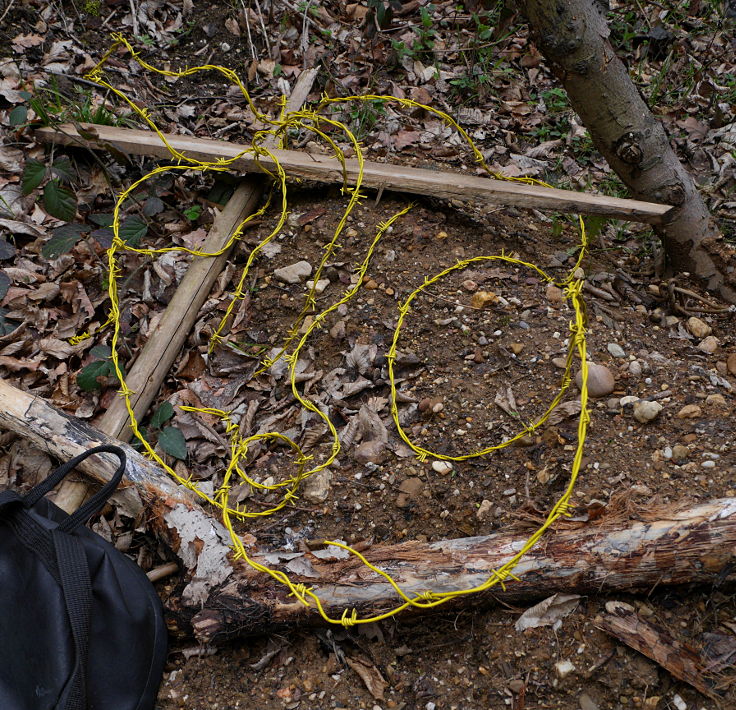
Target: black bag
{"x":81,"y":626}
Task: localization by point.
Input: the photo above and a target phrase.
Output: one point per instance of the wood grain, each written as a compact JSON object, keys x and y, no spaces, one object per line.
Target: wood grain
{"x":418,"y":181}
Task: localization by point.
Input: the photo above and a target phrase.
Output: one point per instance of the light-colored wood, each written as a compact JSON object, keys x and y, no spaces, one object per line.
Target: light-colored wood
{"x":319,"y":167}
{"x":680,"y":545}
{"x":164,"y":343}
{"x":167,"y":509}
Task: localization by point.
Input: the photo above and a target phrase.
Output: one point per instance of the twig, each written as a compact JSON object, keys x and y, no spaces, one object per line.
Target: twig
{"x":250,"y":38}
{"x":163,"y":571}
{"x":305,"y":34}
{"x":263,"y":28}
{"x":7,"y":10}
{"x":134,"y":13}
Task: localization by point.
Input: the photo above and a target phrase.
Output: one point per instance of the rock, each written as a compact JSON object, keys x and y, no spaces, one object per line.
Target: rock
{"x":441,"y":467}
{"x":698,"y":327}
{"x":716,"y":400}
{"x":600,"y":380}
{"x":409,"y":489}
{"x":635,"y":368}
{"x":560,"y":362}
{"x":616,"y":350}
{"x":481,"y":299}
{"x":646,"y":411}
{"x":709,"y":344}
{"x":294,"y":273}
{"x":680,"y":452}
{"x":372,"y":451}
{"x":690,"y":411}
{"x":322,"y":284}
{"x":351,"y":233}
{"x":679,"y":703}
{"x":564,"y":668}
{"x":587,"y":703}
{"x":484,"y":510}
{"x":555,"y":295}
{"x":628,"y":400}
{"x":317,"y":486}
{"x":731,"y":363}
{"x":516,"y":348}
{"x":470,"y":285}
{"x":708,"y":464}
{"x":667,"y":452}
{"x":338,"y":331}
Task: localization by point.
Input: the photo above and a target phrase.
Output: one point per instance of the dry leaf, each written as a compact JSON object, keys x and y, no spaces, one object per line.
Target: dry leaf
{"x":565,"y":410}
{"x":549,"y":612}
{"x":370,"y":675}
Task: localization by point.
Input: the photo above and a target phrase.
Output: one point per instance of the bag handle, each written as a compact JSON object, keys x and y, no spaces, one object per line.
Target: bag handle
{"x":84,"y":512}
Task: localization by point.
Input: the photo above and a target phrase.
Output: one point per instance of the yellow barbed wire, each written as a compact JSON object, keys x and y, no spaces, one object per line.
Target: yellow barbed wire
{"x":312,"y":120}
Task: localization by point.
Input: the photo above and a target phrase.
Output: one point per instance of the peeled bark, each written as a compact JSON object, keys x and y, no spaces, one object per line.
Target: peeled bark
{"x":573,"y":36}
{"x":225,"y":598}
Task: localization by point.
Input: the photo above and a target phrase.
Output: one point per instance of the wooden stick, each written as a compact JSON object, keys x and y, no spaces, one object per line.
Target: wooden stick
{"x":170,"y":511}
{"x":224,"y":599}
{"x":164,"y":343}
{"x":657,"y":643}
{"x":417,"y":181}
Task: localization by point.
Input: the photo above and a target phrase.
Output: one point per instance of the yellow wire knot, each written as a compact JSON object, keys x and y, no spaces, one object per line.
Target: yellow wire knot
{"x":348,"y":621}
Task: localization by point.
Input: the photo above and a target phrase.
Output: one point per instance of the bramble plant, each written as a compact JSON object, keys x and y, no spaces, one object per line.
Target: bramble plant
{"x":169,"y":438}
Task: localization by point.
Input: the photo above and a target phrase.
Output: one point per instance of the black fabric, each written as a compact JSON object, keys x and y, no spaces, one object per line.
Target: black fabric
{"x":81,"y":626}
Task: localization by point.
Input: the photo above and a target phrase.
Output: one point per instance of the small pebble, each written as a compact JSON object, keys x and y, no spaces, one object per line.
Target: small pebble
{"x":484,"y":510}
{"x":441,"y":467}
{"x":587,"y":703}
{"x":731,"y":363}
{"x":294,"y":273}
{"x":601,"y":381}
{"x":716,"y":400}
{"x":709,"y":344}
{"x":516,"y":348}
{"x":560,"y":362}
{"x":616,"y":350}
{"x":667,"y":452}
{"x":371,"y":285}
{"x":628,"y":399}
{"x":699,"y":328}
{"x":564,"y":668}
{"x":645,"y":411}
{"x":470,"y":285}
{"x":680,"y":452}
{"x":690,"y":411}
{"x":481,"y":299}
{"x":635,"y":368}
{"x":321,"y":285}
{"x":555,"y":294}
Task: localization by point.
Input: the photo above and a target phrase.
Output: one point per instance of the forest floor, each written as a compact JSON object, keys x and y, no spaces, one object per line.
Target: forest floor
{"x":485,"y":342}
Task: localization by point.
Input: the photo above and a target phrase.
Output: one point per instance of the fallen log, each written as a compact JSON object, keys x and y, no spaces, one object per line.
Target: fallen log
{"x":164,"y":343}
{"x":170,"y":511}
{"x":681,"y":545}
{"x":312,"y":166}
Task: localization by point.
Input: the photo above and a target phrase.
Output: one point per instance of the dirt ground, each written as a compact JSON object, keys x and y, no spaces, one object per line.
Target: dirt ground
{"x":476,"y":370}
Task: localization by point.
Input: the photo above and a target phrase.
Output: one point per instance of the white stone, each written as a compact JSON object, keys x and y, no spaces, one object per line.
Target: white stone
{"x":628,"y":399}
{"x":442,"y":467}
{"x":646,"y":411}
{"x":317,"y":486}
{"x":564,"y":668}
{"x":322,"y":284}
{"x":616,"y":350}
{"x":294,"y":273}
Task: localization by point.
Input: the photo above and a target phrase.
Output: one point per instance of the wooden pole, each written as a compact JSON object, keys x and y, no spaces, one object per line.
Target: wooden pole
{"x":435,"y":183}
{"x":166,"y":340}
{"x":223,"y":599}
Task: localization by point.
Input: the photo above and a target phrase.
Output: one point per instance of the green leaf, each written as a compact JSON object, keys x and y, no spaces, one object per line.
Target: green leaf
{"x":59,"y":202}
{"x":87,"y":378}
{"x":4,"y":284}
{"x":103,"y":352}
{"x":63,"y":241}
{"x":162,"y":415}
{"x":104,"y":236}
{"x":18,"y":116}
{"x":132,"y":230}
{"x":33,"y":176}
{"x":7,"y":250}
{"x":152,"y":206}
{"x":193,"y":212}
{"x":103,"y":219}
{"x":6,"y":326}
{"x":62,"y":168}
{"x":171,"y":440}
